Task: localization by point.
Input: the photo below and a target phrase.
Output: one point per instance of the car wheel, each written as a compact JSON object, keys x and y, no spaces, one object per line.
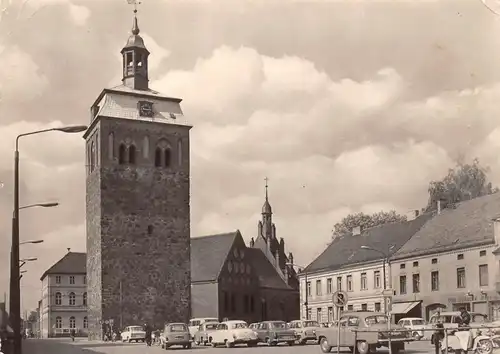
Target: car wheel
{"x":432,"y":339}
{"x":484,"y":346}
{"x":229,"y":344}
{"x":251,"y":344}
{"x":416,"y":336}
{"x":290,"y":343}
{"x":363,"y":347}
{"x":214,"y":345}
{"x":302,"y":342}
{"x":324,"y":345}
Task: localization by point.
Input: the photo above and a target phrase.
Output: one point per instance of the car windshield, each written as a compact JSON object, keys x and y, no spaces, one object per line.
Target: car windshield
{"x":211,"y":320}
{"x":478,"y":318}
{"x":211,"y":326}
{"x":371,"y":320}
{"x":418,"y":322}
{"x":442,"y":319}
{"x":238,"y":325}
{"x":311,"y":324}
{"x":296,"y":325}
{"x":178,"y":328}
{"x":135,"y":329}
{"x":278,"y":325}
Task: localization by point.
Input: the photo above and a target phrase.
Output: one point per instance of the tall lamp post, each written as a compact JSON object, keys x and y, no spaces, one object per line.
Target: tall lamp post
{"x":306,"y":303}
{"x":385,"y":262}
{"x":15,"y":288}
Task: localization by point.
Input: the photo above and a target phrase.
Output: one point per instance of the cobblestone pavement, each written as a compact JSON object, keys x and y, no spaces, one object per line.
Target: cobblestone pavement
{"x":83,"y":346}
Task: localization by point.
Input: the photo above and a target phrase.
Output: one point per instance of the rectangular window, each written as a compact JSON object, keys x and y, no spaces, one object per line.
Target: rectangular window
{"x":461,"y":277}
{"x":364,"y":284}
{"x":416,"y":283}
{"x":72,"y":280}
{"x":483,"y":275}
{"x":339,"y":283}
{"x":435,"y":281}
{"x":364,"y":307}
{"x":377,"y":307}
{"x":434,"y":261}
{"x":415,"y":264}
{"x":84,"y":279}
{"x":460,"y":256}
{"x":402,"y":266}
{"x":309,"y":314}
{"x":402,"y":284}
{"x":349,"y":283}
{"x":329,"y":286}
{"x":58,"y":279}
{"x":482,"y":253}
{"x":376,"y":279}
{"x":319,"y":317}
{"x":308,"y":289}
{"x":350,"y":308}
{"x":318,"y":288}
{"x":330,"y":314}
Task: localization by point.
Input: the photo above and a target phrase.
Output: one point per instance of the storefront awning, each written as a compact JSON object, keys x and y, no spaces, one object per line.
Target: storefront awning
{"x":404,"y":307}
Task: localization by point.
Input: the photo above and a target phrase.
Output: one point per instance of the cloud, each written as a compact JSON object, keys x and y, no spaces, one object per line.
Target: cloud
{"x":79,"y":14}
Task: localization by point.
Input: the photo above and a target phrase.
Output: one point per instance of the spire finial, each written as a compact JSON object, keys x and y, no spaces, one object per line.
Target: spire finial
{"x":135,"y":26}
{"x":266,"y":179}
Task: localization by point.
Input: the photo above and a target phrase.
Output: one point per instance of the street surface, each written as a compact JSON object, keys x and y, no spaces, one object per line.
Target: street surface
{"x":83,"y":346}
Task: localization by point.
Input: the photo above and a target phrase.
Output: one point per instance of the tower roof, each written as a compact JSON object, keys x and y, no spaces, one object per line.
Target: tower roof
{"x":135,"y":40}
{"x":266,"y":208}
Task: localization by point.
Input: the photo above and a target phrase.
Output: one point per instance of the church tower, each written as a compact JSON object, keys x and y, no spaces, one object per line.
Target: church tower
{"x":137,"y":203}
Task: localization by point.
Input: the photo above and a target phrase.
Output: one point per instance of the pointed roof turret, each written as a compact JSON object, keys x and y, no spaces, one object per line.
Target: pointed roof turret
{"x":266,"y":208}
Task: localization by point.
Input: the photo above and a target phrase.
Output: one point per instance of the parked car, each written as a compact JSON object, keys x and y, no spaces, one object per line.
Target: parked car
{"x":176,"y":334}
{"x":416,"y":325}
{"x":195,"y":323}
{"x":230,"y":333}
{"x":133,"y":333}
{"x":204,"y":334}
{"x":364,"y":342}
{"x":304,"y":330}
{"x":275,"y":332}
{"x":451,"y":319}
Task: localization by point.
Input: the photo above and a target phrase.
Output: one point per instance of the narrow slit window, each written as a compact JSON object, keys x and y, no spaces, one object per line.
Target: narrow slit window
{"x":168,"y":157}
{"x":157,"y":157}
{"x":121,"y":154}
{"x":131,"y":154}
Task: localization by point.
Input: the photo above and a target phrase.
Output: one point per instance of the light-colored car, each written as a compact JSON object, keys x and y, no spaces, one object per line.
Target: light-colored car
{"x":176,"y":334}
{"x":416,"y":325}
{"x":195,"y":323}
{"x":305,"y":330}
{"x":365,"y":342}
{"x":133,"y":333}
{"x":275,"y":332}
{"x":231,"y":333}
{"x":204,"y":334}
{"x":451,"y":319}
{"x":254,"y":326}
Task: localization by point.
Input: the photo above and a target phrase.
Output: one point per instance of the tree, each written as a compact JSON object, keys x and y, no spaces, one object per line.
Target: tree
{"x":33,"y":317}
{"x":345,"y":226}
{"x":464,"y":181}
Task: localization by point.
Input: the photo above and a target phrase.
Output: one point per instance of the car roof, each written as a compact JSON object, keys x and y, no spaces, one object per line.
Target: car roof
{"x":411,"y":318}
{"x":271,"y":321}
{"x":175,"y":323}
{"x":234,"y":321}
{"x":362,"y":313}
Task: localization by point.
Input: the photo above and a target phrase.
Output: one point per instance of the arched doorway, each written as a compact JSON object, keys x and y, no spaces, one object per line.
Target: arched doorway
{"x":432,"y":308}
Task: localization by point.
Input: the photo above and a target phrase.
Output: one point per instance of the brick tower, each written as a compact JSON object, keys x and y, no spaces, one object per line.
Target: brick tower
{"x":137,"y":205}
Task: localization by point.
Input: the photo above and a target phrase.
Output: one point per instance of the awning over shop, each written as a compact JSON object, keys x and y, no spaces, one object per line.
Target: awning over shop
{"x":404,"y":307}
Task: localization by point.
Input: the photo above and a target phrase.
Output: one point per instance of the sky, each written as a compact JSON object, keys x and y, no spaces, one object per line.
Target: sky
{"x":346,"y":106}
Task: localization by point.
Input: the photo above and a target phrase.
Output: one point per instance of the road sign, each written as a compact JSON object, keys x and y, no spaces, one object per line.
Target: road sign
{"x":339,"y":298}
{"x":388,"y":292}
{"x":388,"y":304}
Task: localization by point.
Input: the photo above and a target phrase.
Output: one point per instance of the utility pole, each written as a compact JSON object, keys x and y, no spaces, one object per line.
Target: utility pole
{"x":121,"y":306}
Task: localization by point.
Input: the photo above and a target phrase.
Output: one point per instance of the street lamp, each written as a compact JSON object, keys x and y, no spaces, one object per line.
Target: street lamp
{"x":306,"y":304}
{"x":30,"y":242}
{"x":15,"y":288}
{"x":385,"y":261}
{"x":42,"y":205}
{"x":23,"y":261}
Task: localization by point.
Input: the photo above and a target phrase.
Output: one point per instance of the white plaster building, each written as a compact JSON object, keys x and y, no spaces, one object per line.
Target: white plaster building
{"x":450,"y":262}
{"x":346,"y":265}
{"x":64,"y":297}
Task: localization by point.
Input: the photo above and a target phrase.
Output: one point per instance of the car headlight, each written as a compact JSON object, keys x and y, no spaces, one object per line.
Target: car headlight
{"x":314,"y":331}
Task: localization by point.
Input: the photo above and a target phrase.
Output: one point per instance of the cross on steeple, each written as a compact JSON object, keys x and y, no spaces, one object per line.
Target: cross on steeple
{"x":135,"y":3}
{"x":266,"y":179}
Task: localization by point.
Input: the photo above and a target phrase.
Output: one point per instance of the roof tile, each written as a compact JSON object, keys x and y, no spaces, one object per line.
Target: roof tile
{"x":71,"y":263}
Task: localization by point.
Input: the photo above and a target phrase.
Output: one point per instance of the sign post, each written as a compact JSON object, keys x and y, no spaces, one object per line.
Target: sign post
{"x":388,"y":293}
{"x":339,"y":299}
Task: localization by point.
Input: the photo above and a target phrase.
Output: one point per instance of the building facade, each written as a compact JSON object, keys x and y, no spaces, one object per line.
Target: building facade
{"x":63,"y":306}
{"x":138,"y":201}
{"x":354,"y":263}
{"x":451,"y":262}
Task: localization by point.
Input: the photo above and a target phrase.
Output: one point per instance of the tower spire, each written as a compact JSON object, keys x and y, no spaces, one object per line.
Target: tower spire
{"x":266,"y":179}
{"x":266,"y":208}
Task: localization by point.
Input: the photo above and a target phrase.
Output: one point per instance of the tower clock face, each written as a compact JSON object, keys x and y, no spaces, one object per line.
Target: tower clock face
{"x":146,"y":109}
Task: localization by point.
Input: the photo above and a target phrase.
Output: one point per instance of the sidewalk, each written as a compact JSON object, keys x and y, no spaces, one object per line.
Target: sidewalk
{"x":61,"y":346}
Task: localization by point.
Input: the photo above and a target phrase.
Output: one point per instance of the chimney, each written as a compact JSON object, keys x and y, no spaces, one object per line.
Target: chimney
{"x":252,"y":242}
{"x":290,"y":257}
{"x":439,"y":207}
{"x":356,"y":230}
{"x":69,"y":249}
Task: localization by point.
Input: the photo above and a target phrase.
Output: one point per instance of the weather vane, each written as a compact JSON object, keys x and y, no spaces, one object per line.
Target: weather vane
{"x":135,"y":3}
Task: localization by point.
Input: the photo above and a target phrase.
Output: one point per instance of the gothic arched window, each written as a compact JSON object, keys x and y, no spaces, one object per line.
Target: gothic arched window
{"x":122,"y":150}
{"x":58,"y":322}
{"x":85,"y":322}
{"x":72,"y":299}
{"x":157,"y":157}
{"x":84,"y":299}
{"x":111,"y":145}
{"x":131,"y":154}
{"x":58,"y":299}
{"x":179,"y":152}
{"x":168,"y":157}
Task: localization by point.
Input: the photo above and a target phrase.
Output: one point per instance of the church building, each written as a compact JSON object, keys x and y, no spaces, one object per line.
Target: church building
{"x":137,"y":202}
{"x":252,"y":283}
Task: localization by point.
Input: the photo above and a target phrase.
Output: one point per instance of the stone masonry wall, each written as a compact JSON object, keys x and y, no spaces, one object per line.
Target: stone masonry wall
{"x":145,"y":226}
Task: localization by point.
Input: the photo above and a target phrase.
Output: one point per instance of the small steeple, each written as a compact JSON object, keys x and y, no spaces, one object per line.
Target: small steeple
{"x":266,"y":208}
{"x":135,"y":58}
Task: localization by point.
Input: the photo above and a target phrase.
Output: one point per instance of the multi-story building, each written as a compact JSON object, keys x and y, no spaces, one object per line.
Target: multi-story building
{"x":356,"y":264}
{"x":64,"y":297}
{"x":450,"y":262}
